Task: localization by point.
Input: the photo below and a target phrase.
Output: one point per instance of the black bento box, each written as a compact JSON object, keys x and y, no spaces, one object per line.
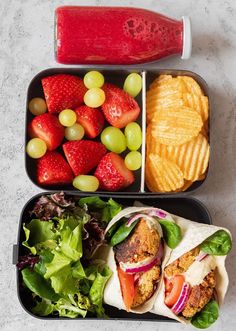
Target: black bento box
{"x":186,"y":207}
{"x":115,"y":76}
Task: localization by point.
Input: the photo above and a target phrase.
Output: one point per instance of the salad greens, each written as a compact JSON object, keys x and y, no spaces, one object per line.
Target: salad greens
{"x":219,"y":243}
{"x":207,"y":316}
{"x":59,"y":270}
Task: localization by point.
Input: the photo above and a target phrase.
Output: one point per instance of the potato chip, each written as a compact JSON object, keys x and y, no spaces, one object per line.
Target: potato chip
{"x":176,"y":126}
{"x":192,"y":157}
{"x":187,"y":184}
{"x":162,"y":175}
{"x":192,"y":85}
{"x":205,"y":129}
{"x":205,"y":107}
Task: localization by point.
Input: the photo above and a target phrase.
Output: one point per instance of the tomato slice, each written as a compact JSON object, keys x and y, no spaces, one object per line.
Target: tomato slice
{"x":127,"y":287}
{"x":173,"y":289}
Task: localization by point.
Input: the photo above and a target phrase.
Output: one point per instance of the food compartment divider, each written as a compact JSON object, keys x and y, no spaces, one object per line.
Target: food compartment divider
{"x":189,"y":208}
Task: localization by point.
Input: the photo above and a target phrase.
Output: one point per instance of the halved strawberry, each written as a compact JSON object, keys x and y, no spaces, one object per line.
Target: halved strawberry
{"x":52,"y":169}
{"x":112,"y":173}
{"x":119,"y":107}
{"x":48,"y":128}
{"x":84,"y":155}
{"x":63,"y":91}
{"x":92,"y":119}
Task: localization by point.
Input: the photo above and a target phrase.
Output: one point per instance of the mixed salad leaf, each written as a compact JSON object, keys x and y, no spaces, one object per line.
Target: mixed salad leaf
{"x":61,"y":238}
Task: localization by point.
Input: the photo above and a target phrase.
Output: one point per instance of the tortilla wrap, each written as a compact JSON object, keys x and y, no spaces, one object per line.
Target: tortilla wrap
{"x":193,"y":235}
{"x":112,"y":292}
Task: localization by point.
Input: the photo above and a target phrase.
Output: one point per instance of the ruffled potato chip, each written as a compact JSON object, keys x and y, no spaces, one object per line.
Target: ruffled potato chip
{"x":162,"y":175}
{"x":176,"y":126}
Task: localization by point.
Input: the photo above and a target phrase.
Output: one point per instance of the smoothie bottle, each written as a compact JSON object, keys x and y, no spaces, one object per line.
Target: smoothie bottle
{"x":118,"y":35}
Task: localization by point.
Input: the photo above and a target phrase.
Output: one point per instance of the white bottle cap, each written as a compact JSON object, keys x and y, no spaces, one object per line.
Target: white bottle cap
{"x":187,"y":38}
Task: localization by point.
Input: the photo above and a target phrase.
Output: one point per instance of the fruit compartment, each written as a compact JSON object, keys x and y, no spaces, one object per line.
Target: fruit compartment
{"x":189,"y":208}
{"x":117,"y":77}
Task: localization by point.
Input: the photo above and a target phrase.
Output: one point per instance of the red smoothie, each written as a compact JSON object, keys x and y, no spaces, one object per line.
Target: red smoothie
{"x":116,"y":35}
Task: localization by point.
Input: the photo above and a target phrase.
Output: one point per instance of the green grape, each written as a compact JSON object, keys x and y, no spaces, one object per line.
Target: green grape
{"x":113,"y":139}
{"x":93,"y":79}
{"x":94,"y":97}
{"x":67,"y":117}
{"x":133,"y":134}
{"x":36,"y":148}
{"x":133,"y":160}
{"x":74,"y":132}
{"x":133,"y":84}
{"x":86,"y":183}
{"x":37,"y":106}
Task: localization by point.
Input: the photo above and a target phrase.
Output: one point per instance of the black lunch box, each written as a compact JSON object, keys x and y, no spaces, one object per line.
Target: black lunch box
{"x":186,"y":207}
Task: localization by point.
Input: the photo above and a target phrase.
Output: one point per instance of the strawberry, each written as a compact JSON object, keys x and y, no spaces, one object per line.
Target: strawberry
{"x":48,"y":128}
{"x":112,"y":173}
{"x":119,"y":107}
{"x":83,"y":155}
{"x":63,"y":91}
{"x":52,"y":169}
{"x":92,"y":119}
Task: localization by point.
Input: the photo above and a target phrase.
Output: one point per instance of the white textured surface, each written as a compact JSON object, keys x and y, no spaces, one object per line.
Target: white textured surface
{"x":26,"y":47}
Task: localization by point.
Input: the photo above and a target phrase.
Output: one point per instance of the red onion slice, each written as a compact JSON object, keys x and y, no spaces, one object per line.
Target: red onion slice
{"x":182,"y":300}
{"x":145,"y":266}
{"x":201,"y":256}
{"x":132,"y":219}
{"x":158,"y":213}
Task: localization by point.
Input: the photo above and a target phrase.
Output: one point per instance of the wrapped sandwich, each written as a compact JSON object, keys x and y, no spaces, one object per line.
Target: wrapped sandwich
{"x":194,"y":280}
{"x":138,"y":250}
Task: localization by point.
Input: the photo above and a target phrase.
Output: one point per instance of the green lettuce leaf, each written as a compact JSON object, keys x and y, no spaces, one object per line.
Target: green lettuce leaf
{"x":63,"y":281}
{"x":66,"y":308}
{"x":71,"y":242}
{"x":39,"y":235}
{"x":43,"y":308}
{"x":38,"y":285}
{"x":97,"y":289}
{"x":92,"y":202}
{"x":112,"y":209}
{"x":45,"y":257}
{"x":58,"y":262}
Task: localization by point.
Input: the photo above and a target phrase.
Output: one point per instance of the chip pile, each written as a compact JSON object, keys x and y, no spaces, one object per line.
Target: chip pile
{"x":177,"y":148}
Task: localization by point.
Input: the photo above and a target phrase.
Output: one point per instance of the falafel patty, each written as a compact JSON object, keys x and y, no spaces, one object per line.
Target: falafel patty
{"x":141,"y":244}
{"x":200,"y":295}
{"x":182,"y":264}
{"x":146,"y":285}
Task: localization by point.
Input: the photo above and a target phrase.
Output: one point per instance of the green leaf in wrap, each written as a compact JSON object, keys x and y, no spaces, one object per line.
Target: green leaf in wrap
{"x":171,"y":232}
{"x":207,"y":316}
{"x":219,"y":243}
